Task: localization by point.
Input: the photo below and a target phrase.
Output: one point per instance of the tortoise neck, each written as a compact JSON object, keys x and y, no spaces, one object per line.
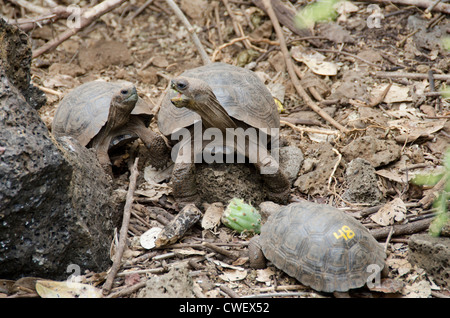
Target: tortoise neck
{"x":212,"y":113}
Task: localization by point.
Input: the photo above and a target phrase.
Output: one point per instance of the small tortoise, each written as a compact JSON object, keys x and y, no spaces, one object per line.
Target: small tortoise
{"x":224,"y":97}
{"x":97,"y":112}
{"x":320,"y":246}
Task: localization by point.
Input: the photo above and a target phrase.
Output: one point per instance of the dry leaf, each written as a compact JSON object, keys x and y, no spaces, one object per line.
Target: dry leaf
{"x":53,"y":289}
{"x":263,"y":275}
{"x":212,"y":216}
{"x":148,"y":239}
{"x":420,"y":289}
{"x":315,"y":61}
{"x":395,"y":94}
{"x":152,"y":175}
{"x":391,"y":212}
{"x":233,"y":275}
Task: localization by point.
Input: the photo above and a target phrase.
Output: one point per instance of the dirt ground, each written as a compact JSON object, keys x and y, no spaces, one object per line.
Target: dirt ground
{"x":401,"y":135}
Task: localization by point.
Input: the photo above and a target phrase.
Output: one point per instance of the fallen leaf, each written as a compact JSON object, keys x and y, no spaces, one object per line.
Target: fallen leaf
{"x":54,"y":289}
{"x":148,"y":238}
{"x":388,"y":285}
{"x":391,"y":212}
{"x":315,"y":61}
{"x":395,"y":94}
{"x":212,"y":216}
{"x":233,"y":275}
{"x":420,"y":289}
{"x":155,"y":176}
{"x":263,"y":275}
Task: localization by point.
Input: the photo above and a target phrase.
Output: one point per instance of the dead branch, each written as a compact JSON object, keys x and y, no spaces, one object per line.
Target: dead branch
{"x":293,"y":75}
{"x":27,"y":24}
{"x":123,"y":230}
{"x":86,"y":18}
{"x":29,"y":6}
{"x":419,"y":76}
{"x":236,"y":28}
{"x":440,"y":7}
{"x":402,"y":229}
{"x":188,"y":26}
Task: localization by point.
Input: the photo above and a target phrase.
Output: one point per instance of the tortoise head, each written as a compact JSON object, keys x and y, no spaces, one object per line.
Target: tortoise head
{"x":126,"y":97}
{"x":192,"y":92}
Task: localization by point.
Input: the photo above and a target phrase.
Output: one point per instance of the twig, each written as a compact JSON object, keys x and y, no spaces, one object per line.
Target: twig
{"x":310,"y":130}
{"x":349,"y":54}
{"x":429,"y":198}
{"x":138,"y":11}
{"x":123,"y":230}
{"x":86,"y":19}
{"x":291,"y":70}
{"x":236,"y":28}
{"x":380,"y":98}
{"x":29,"y":6}
{"x":220,"y":250}
{"x":441,"y":7}
{"x":420,"y":76}
{"x":227,"y":290}
{"x":127,"y":291}
{"x":188,"y":26}
{"x":402,"y":229}
{"x":242,"y":38}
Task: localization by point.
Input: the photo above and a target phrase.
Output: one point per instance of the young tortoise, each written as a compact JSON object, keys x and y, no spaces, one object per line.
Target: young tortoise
{"x":319,"y":245}
{"x":97,"y":112}
{"x":222,"y":96}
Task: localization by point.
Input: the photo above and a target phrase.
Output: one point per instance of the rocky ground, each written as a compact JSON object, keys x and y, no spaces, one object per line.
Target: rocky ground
{"x":396,"y":137}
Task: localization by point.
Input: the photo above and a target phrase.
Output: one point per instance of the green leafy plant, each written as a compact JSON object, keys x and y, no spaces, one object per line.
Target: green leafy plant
{"x":441,"y":202}
{"x":321,"y":10}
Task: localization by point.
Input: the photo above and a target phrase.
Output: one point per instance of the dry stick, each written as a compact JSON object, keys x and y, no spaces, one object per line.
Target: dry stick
{"x":220,"y":250}
{"x":235,"y":24}
{"x":123,"y":230}
{"x":441,"y":7}
{"x":243,"y":38}
{"x":293,"y":75}
{"x":309,"y":130}
{"x":420,"y":76}
{"x":127,"y":291}
{"x":402,"y":229}
{"x":86,"y":19}
{"x":138,"y":11}
{"x":30,"y":6}
{"x":188,"y":26}
{"x":27,"y":24}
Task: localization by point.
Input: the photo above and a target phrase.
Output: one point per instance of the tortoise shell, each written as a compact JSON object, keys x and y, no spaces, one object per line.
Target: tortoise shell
{"x":240,"y":92}
{"x":321,"y":247}
{"x":84,"y":111}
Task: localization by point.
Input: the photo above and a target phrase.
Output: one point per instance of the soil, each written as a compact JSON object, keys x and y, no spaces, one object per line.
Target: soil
{"x":404,"y":134}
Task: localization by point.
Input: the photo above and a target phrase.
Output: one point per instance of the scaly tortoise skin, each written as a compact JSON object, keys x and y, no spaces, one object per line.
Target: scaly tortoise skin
{"x":320,"y":246}
{"x":96,"y":112}
{"x":221,"y":96}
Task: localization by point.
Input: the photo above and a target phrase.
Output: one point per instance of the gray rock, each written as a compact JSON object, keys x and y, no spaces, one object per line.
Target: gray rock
{"x":433,"y":255}
{"x":56,"y":204}
{"x":177,"y":283}
{"x":15,"y":58}
{"x":362,"y":183}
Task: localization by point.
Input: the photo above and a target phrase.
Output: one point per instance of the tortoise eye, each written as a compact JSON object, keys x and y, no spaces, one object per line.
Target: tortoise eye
{"x":124,"y":91}
{"x":181,"y":85}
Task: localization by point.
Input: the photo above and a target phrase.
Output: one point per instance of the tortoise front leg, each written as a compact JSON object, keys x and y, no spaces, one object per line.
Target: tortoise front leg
{"x":184,"y":183}
{"x":276,"y":183}
{"x":159,"y":151}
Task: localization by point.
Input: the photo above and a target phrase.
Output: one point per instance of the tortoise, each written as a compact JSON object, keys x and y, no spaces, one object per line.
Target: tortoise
{"x":96,"y":112}
{"x":319,"y":245}
{"x":224,"y":97}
